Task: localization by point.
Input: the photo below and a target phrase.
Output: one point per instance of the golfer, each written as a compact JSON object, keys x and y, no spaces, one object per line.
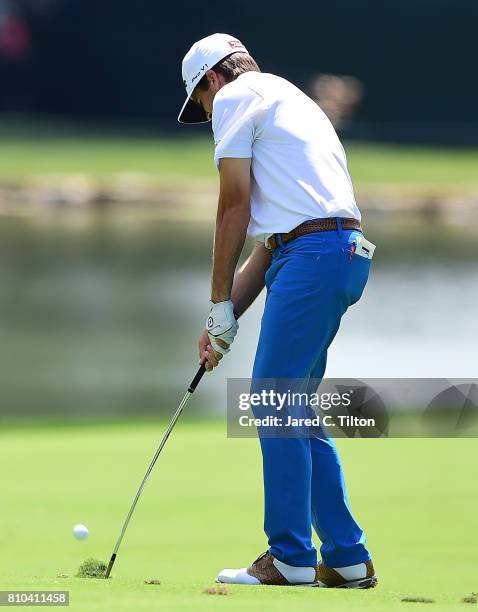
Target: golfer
{"x":284,"y":181}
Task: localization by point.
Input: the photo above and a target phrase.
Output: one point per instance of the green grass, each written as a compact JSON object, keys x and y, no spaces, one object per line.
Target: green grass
{"x":173,"y":160}
{"x":102,"y":158}
{"x":202,"y":510}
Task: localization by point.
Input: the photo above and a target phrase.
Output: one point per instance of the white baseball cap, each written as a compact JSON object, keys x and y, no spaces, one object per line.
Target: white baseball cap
{"x":203,"y":56}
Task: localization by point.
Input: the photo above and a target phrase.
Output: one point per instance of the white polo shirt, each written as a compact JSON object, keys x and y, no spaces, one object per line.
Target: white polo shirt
{"x":299,"y":168}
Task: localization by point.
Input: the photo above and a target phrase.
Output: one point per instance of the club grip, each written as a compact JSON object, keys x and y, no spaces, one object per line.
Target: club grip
{"x":195,"y":381}
{"x":200,"y":373}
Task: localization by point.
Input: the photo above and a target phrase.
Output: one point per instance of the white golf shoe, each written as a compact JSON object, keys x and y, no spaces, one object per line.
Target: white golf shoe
{"x":266,"y":569}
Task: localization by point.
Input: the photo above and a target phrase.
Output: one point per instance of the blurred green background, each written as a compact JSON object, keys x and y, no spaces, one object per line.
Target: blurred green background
{"x":106,"y":247}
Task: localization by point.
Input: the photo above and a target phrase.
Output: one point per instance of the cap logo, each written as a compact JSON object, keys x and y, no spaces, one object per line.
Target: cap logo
{"x":235,"y":44}
{"x":202,"y":69}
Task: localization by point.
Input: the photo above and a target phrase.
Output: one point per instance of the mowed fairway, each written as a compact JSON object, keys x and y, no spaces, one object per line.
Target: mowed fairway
{"x":202,"y":510}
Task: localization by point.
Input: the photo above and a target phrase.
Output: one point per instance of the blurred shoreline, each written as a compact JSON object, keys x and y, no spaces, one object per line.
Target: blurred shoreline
{"x":52,"y":166}
{"x":173,"y":199}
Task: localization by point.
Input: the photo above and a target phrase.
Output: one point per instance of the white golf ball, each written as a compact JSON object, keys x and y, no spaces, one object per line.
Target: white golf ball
{"x":80,"y":532}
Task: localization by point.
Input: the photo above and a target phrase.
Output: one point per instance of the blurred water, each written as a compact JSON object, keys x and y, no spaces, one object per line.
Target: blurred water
{"x":101,"y":317}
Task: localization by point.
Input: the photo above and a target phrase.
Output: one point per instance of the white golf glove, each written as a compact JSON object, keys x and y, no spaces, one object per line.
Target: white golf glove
{"x":221,"y":323}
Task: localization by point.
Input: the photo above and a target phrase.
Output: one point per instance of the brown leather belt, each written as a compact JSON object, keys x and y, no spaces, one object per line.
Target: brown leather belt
{"x":308,"y":227}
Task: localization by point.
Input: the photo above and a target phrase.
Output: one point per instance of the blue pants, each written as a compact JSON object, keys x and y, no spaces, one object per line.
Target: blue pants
{"x":311,"y":282}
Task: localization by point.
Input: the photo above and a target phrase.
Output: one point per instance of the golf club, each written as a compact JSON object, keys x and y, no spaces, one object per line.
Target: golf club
{"x":189,"y":392}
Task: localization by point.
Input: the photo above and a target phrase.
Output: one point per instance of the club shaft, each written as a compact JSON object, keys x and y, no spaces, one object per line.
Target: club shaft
{"x":170,"y":428}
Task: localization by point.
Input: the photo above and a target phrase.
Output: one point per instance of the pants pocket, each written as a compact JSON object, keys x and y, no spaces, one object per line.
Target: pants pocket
{"x":357,"y":270}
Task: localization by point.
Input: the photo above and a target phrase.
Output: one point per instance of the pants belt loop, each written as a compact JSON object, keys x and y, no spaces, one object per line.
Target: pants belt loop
{"x":339,"y":226}
{"x":279,"y":240}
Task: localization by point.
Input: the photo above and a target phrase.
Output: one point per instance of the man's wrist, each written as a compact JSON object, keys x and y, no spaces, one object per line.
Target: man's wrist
{"x":236,"y":313}
{"x":218,"y":297}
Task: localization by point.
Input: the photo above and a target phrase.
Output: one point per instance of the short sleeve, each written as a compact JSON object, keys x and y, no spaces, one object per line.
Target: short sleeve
{"x":233,"y":122}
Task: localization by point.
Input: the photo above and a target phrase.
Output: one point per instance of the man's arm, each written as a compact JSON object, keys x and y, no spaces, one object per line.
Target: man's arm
{"x":249,"y":281}
{"x":232,"y":219}
{"x":231,"y":226}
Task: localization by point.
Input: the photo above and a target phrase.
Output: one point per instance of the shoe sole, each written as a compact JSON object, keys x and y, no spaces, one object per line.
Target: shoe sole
{"x":363,"y":583}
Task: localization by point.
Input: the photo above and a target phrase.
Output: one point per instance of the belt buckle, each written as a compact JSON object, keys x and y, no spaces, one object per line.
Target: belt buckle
{"x":267,"y":242}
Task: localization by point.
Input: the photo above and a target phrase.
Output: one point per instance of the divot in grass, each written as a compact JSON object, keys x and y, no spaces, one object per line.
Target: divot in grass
{"x":92,"y":568}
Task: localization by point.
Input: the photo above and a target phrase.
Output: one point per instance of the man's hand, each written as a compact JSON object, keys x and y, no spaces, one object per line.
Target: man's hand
{"x":207,"y":355}
{"x":221,"y":324}
{"x":221,"y":328}
{"x":248,"y":283}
